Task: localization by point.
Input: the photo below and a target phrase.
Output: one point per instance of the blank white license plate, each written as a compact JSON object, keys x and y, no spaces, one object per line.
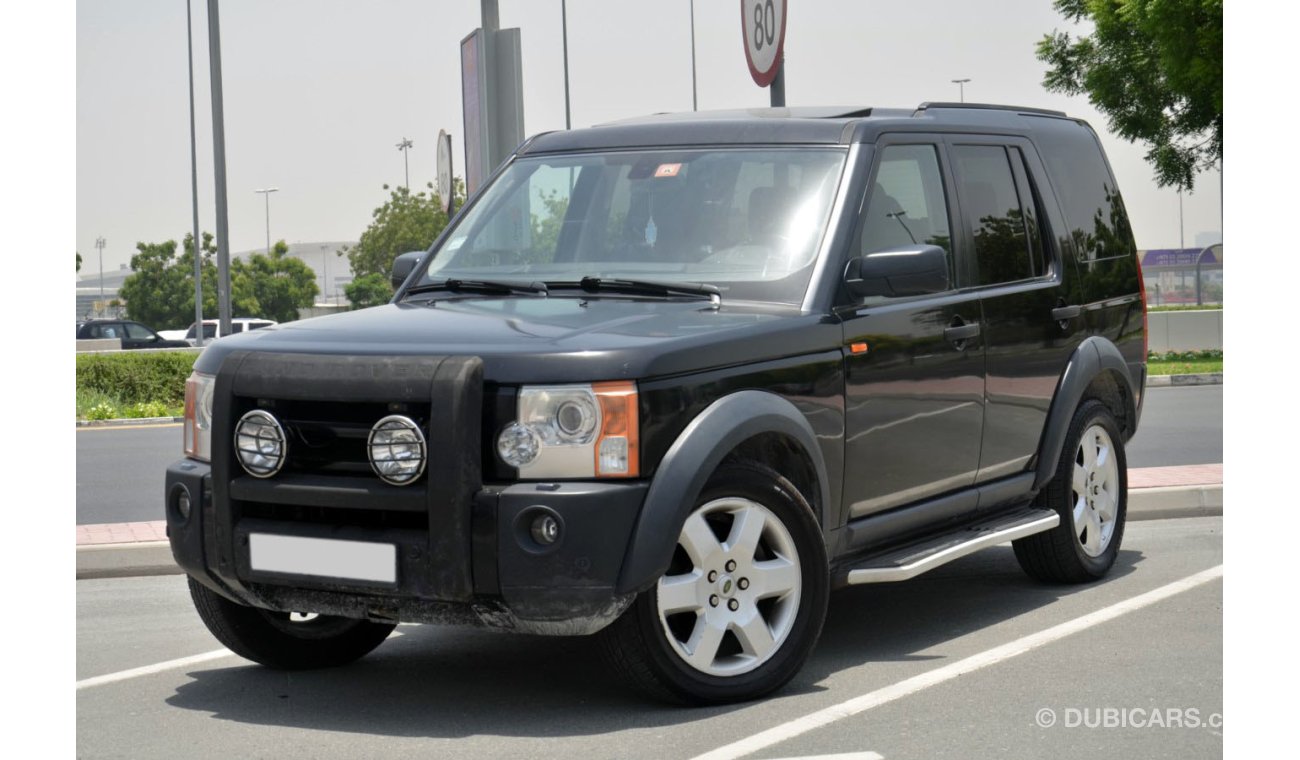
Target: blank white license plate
{"x":326,"y":557}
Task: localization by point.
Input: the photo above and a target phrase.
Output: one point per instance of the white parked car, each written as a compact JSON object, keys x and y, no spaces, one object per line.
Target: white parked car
{"x":211,"y":329}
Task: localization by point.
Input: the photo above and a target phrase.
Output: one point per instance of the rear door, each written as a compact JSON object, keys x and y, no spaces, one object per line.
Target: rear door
{"x":136,"y":335}
{"x":914,"y":406}
{"x":1030,"y":325}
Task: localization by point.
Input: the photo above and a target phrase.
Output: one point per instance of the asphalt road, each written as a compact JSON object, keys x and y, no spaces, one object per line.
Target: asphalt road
{"x":120,"y":470}
{"x":1179,"y":426}
{"x":880,"y":681}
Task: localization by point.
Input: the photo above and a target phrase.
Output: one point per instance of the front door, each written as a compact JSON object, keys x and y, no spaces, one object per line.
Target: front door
{"x":914,"y":406}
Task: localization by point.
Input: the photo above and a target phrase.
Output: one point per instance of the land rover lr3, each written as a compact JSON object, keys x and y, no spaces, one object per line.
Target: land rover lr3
{"x":672,"y":380}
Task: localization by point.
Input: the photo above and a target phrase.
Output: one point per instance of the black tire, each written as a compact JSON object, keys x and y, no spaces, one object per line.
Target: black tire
{"x":272,"y":639}
{"x":638,"y":644}
{"x":1060,"y":555}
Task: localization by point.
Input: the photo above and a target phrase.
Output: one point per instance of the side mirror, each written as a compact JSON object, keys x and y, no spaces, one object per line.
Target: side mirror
{"x":403,"y":265}
{"x":913,"y":270}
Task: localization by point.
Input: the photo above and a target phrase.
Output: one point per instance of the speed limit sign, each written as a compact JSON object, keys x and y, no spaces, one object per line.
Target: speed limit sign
{"x":763,"y":22}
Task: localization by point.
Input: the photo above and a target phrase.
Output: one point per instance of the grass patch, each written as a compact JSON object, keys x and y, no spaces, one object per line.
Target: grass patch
{"x":1184,"y":368}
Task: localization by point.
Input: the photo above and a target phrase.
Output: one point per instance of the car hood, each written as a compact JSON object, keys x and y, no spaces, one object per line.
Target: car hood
{"x":551,"y":339}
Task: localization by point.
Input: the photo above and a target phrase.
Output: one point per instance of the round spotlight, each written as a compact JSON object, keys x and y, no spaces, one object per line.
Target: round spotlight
{"x":397,"y":450}
{"x":518,"y":445}
{"x":260,"y":444}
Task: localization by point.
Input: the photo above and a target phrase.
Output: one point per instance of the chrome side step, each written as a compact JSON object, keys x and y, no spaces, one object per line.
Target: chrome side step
{"x":910,"y":561}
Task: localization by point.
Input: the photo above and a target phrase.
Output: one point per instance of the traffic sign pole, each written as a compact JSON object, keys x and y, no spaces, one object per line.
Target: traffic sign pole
{"x":762,"y":22}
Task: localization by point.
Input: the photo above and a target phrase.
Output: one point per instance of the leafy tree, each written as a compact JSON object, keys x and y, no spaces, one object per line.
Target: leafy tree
{"x":160,"y":290}
{"x":1155,"y":69}
{"x":368,"y":290}
{"x":78,"y":261}
{"x":404,"y":223}
{"x":280,"y":284}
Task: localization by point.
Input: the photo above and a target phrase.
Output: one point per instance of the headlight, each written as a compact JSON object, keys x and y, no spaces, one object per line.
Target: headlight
{"x":573,"y":431}
{"x":198,"y":416}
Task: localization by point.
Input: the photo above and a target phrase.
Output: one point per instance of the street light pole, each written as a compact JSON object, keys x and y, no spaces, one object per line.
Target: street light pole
{"x":564,"y":38}
{"x":961,"y":84}
{"x":1181,"y":244}
{"x":404,"y":146}
{"x":695,"y":99}
{"x":266,"y":193}
{"x":325,"y":261}
{"x":194,"y":188}
{"x":99,"y":243}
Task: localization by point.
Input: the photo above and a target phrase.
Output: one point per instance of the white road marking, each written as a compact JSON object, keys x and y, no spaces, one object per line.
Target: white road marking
{"x":841,"y":756}
{"x":859,"y":704}
{"x":159,"y":667}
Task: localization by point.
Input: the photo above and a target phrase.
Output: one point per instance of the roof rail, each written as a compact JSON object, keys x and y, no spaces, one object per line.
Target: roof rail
{"x":991,"y":107}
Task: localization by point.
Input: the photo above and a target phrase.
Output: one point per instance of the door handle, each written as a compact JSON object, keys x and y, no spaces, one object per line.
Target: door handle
{"x":960,"y":331}
{"x":1064,"y":313}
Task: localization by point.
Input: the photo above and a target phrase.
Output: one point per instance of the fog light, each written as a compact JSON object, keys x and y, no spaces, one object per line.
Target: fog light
{"x":183,"y":503}
{"x":545,"y":530}
{"x":397,"y":450}
{"x":260,"y":444}
{"x":518,"y":445}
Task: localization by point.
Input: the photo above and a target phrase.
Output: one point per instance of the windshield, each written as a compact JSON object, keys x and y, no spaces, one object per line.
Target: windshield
{"x":748,"y":221}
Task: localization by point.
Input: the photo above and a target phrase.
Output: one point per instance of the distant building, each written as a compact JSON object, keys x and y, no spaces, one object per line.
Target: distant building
{"x":1207,"y":239}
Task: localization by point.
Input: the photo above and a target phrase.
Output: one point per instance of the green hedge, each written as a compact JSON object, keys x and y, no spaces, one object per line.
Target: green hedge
{"x":137,"y":377}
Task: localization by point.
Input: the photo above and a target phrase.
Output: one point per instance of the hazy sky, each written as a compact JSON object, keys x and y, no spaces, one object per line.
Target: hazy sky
{"x":318,"y":93}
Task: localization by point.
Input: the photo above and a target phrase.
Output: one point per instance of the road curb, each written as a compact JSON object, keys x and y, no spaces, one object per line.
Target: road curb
{"x":125,"y":560}
{"x":141,"y":558}
{"x":1175,"y":501}
{"x":128,"y":422}
{"x":1163,"y":381}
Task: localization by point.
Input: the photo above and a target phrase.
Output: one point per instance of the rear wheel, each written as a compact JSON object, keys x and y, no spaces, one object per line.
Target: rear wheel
{"x":742,"y":602}
{"x":1090,"y":493}
{"x":284,"y":640}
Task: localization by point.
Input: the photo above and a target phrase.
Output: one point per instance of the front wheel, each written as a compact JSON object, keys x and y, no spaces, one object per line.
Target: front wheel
{"x":283,"y":640}
{"x":742,"y":602}
{"x":1090,"y":493}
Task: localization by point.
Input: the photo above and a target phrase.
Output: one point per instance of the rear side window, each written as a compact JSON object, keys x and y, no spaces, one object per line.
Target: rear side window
{"x":999,"y":213}
{"x":136,"y":332}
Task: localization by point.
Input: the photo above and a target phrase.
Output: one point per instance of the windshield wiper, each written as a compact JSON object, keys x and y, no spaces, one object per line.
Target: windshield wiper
{"x":646,"y":288}
{"x":494,"y":287}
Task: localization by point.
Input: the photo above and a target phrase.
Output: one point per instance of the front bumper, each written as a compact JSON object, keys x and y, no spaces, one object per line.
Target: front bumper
{"x":500,"y":577}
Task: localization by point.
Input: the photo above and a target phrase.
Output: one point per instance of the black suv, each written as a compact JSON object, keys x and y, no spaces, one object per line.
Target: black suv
{"x":132,"y":334}
{"x":673,"y":380}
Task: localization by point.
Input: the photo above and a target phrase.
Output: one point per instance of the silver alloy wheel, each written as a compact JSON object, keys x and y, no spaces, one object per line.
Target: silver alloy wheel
{"x":734,"y":606}
{"x":1095,"y":490}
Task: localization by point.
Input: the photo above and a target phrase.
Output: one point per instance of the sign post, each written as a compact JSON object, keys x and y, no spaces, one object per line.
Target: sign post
{"x":763,"y":24}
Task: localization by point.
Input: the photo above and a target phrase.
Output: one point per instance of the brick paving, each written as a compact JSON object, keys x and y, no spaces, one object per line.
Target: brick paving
{"x":1142,"y":477}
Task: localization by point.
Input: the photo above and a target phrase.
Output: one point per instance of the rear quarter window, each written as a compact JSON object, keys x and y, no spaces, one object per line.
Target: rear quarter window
{"x":1094,"y":211}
